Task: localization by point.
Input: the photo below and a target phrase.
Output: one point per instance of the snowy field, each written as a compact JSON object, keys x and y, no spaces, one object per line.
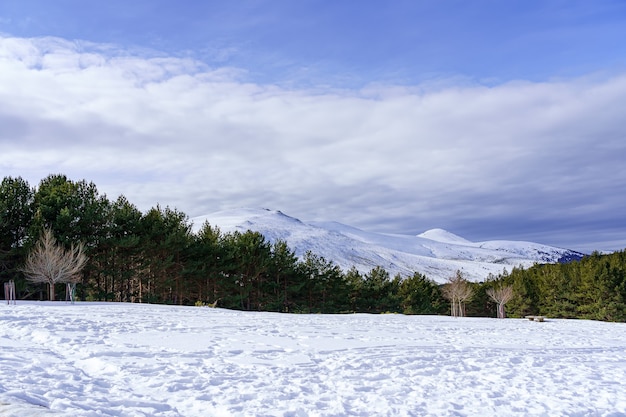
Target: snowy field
{"x":95,"y":359}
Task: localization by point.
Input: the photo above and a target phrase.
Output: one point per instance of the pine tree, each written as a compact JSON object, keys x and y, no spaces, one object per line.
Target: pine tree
{"x":420,"y":295}
{"x":16,"y":216}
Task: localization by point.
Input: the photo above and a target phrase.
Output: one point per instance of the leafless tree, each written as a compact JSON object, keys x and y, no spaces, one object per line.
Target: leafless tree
{"x":501,"y":295}
{"x":458,"y":291}
{"x":48,"y":262}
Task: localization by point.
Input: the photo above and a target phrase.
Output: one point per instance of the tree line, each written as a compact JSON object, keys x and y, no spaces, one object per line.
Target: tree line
{"x":592,"y":288}
{"x":154,"y":257}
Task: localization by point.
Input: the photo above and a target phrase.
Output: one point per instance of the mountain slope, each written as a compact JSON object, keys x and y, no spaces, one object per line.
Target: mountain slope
{"x":436,"y":253}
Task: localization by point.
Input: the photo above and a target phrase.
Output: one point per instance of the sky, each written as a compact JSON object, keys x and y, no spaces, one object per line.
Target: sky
{"x":490,"y":119}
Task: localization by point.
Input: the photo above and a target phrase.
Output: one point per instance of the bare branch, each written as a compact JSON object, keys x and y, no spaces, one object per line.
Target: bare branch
{"x":49,"y":263}
{"x":501,"y":295}
{"x":458,"y":291}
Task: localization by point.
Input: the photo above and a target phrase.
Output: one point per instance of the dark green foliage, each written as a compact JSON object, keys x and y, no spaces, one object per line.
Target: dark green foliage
{"x":154,"y":257}
{"x":73,"y":210}
{"x":16,"y":216}
{"x":76,"y":213}
{"x":120,"y":254}
{"x":165,"y":237}
{"x":376,"y":292}
{"x":324,"y":289}
{"x":16,"y":212}
{"x":420,"y":295}
{"x":480,"y":305}
{"x":592,"y":288}
{"x":204,"y":268}
{"x":284,"y":284}
{"x":527,"y":295}
{"x":250,"y":260}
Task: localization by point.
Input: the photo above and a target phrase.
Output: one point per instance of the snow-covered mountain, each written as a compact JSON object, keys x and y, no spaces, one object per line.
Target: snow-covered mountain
{"x":436,"y":253}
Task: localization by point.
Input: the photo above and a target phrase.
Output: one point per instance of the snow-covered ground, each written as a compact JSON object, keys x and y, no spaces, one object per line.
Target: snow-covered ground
{"x":97,"y":359}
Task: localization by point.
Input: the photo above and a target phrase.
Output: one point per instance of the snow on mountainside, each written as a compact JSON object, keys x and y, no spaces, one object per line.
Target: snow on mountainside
{"x":436,"y":253}
{"x":440,"y":235}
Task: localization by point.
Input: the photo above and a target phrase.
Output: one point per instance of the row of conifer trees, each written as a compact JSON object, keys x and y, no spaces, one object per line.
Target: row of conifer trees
{"x":154,"y":257}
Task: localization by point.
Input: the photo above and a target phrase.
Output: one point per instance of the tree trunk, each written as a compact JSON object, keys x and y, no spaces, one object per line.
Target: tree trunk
{"x":501,"y":313}
{"x":51,"y":291}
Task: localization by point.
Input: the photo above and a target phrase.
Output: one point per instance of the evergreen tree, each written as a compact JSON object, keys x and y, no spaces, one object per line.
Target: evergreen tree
{"x":165,"y":238}
{"x":16,"y":216}
{"x":251,"y":256}
{"x":154,"y":258}
{"x":378,"y":293}
{"x":420,"y":295}
{"x":285,"y":281}
{"x":121,"y":254}
{"x":205,"y":267}
{"x":354,"y":284}
{"x":325,"y":289}
{"x":75,"y":212}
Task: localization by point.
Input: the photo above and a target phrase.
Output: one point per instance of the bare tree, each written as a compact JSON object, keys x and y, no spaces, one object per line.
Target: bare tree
{"x":501,"y":295}
{"x":48,"y":262}
{"x":458,"y":291}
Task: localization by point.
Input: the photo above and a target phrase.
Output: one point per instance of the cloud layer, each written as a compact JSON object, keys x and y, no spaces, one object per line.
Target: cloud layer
{"x":520,"y":160}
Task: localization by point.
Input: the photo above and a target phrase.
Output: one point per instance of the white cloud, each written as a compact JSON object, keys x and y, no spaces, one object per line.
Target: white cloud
{"x":169,"y":130}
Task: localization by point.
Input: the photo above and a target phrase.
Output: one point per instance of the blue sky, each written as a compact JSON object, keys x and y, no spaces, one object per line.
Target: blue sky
{"x":347,"y":41}
{"x":492,"y":119}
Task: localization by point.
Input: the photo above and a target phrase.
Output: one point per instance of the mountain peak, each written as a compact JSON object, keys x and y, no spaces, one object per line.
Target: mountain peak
{"x":240,"y":218}
{"x":436,"y":253}
{"x":443,"y":236}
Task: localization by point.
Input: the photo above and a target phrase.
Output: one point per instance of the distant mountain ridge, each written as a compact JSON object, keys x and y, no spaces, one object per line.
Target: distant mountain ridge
{"x":436,"y":253}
